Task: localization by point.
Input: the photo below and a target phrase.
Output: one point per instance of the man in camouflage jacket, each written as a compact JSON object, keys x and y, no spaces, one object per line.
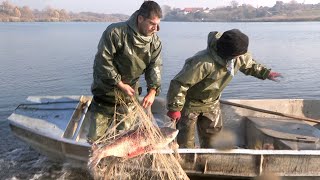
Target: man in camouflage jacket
{"x":196,"y":89}
{"x":126,"y":51}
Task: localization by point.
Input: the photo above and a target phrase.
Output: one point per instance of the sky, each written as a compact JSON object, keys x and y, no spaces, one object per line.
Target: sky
{"x":129,"y":6}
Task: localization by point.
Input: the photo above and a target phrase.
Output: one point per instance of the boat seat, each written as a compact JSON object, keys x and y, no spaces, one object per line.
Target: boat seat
{"x":277,"y":133}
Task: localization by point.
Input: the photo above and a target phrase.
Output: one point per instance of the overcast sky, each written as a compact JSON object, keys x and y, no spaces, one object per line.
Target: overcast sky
{"x":129,"y":6}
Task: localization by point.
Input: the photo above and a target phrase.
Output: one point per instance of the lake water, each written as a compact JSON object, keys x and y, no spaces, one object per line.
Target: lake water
{"x":57,"y":58}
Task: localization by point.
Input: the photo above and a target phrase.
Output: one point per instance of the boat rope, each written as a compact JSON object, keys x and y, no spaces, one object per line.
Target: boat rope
{"x":47,"y":109}
{"x":25,"y":105}
{"x":49,"y":102}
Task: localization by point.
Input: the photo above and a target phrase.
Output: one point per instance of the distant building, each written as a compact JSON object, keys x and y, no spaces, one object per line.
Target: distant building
{"x":191,"y":10}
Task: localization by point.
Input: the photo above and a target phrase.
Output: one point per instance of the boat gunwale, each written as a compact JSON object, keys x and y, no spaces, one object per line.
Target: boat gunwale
{"x":183,"y":151}
{"x":62,"y":139}
{"x":195,"y":151}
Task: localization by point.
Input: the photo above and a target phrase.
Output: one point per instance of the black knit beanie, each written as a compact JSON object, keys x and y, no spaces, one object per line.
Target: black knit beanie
{"x":232,"y":43}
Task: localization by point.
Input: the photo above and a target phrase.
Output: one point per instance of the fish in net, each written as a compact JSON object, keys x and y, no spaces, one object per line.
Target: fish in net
{"x":132,"y":153}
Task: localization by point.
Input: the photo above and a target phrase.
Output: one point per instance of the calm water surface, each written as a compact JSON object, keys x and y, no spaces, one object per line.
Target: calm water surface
{"x":56,"y":59}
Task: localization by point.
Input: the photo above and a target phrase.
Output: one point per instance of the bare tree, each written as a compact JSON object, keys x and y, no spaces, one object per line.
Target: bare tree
{"x":234,"y":4}
{"x":293,"y":5}
{"x":165,"y":9}
{"x":55,"y":14}
{"x":64,"y":16}
{"x":7,"y":6}
{"x":26,"y":13}
{"x":51,"y":14}
{"x":293,"y":2}
{"x":16,"y":12}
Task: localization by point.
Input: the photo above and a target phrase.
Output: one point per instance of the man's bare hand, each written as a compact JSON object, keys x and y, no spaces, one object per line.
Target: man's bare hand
{"x":149,"y":98}
{"x":126,"y":88}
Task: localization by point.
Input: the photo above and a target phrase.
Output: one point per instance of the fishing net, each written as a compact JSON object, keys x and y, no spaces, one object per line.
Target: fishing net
{"x":144,"y":166}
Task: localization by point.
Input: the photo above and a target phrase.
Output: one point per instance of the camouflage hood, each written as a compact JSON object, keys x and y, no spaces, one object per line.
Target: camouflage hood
{"x":212,"y":47}
{"x":138,"y":39}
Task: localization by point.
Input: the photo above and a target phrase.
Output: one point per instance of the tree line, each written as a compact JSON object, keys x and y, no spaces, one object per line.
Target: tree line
{"x":12,"y":13}
{"x":281,"y":11}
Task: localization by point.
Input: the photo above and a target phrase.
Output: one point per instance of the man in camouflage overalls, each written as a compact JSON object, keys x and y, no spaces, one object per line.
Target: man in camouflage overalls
{"x":193,"y":95}
{"x":126,"y":51}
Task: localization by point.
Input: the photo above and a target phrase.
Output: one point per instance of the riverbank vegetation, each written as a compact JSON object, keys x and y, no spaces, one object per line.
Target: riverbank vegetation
{"x":292,"y":11}
{"x":281,"y":11}
{"x":12,"y":13}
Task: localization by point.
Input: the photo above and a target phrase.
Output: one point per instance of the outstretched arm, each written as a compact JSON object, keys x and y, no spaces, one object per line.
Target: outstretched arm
{"x":250,"y":67}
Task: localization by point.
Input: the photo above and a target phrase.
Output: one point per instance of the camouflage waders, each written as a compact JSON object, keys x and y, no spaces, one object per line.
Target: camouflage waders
{"x":102,"y":116}
{"x":209,"y":124}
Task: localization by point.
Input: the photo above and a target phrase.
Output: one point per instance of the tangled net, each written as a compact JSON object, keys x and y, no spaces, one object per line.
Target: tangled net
{"x":145,"y":166}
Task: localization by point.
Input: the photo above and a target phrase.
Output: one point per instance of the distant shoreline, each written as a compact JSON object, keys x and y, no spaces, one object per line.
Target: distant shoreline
{"x":280,"y":12}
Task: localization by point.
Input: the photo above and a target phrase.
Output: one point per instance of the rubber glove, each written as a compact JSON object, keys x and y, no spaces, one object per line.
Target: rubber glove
{"x":273,"y":75}
{"x":174,"y":115}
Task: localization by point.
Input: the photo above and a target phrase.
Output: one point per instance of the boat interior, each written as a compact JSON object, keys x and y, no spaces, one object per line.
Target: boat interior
{"x":63,"y":117}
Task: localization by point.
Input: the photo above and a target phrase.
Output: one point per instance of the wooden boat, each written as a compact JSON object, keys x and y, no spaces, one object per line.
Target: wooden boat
{"x":56,"y":127}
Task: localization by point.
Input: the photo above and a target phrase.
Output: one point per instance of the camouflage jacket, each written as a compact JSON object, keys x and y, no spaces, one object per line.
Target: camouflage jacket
{"x":124,"y":54}
{"x":204,"y":76}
